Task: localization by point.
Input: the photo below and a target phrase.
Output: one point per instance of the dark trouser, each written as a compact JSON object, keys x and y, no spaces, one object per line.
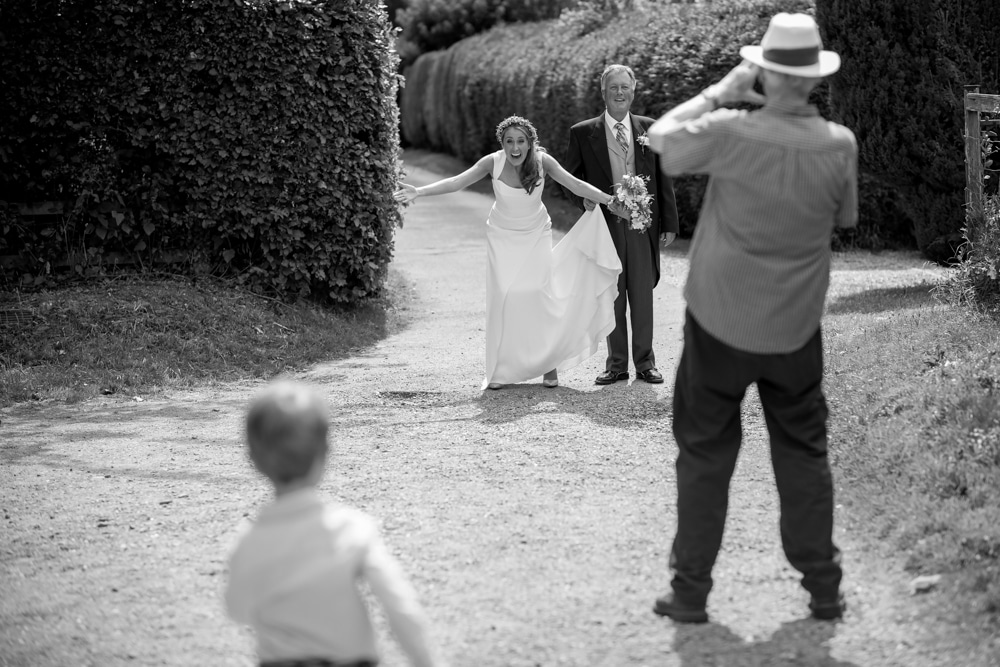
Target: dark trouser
{"x":635,"y":283}
{"x":711,"y":381}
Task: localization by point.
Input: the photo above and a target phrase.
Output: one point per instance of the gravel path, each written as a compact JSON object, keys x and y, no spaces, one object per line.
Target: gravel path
{"x":535,"y":523}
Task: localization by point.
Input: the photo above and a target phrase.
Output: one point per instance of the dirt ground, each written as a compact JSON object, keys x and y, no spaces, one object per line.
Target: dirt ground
{"x":535,"y":523}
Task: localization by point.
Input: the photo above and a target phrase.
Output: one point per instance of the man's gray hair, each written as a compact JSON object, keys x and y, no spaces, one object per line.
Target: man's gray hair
{"x":616,"y":69}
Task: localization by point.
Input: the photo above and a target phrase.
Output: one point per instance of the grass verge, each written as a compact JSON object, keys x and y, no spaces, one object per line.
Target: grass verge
{"x":914,"y":390}
{"x":139,"y":334}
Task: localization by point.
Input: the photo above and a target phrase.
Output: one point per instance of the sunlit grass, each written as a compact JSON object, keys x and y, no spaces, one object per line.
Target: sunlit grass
{"x":141,"y":334}
{"x":914,"y":390}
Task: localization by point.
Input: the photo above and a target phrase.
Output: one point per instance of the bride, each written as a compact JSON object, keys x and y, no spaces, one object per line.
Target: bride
{"x":547,"y":309}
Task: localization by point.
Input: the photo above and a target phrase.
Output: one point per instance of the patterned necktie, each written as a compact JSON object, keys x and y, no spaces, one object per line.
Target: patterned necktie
{"x":620,"y":136}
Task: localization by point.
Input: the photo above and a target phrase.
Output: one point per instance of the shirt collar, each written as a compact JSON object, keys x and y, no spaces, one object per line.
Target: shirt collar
{"x":626,"y":121}
{"x":294,"y":502}
{"x":782,"y":107}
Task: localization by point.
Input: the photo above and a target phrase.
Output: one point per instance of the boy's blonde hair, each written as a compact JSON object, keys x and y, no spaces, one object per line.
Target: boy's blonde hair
{"x":286,"y":431}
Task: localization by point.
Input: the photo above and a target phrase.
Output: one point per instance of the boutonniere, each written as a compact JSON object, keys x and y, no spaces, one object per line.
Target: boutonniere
{"x":643,"y":141}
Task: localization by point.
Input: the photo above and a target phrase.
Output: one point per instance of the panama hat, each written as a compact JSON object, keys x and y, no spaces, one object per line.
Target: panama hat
{"x":792,"y":45}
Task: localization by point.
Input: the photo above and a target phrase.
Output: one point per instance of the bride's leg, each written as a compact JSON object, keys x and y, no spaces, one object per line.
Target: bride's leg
{"x":551,"y":379}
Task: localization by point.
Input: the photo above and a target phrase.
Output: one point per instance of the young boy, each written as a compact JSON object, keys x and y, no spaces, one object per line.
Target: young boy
{"x":294,"y":574}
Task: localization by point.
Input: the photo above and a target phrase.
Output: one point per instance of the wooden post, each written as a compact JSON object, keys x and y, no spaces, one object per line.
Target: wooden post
{"x":973,"y":159}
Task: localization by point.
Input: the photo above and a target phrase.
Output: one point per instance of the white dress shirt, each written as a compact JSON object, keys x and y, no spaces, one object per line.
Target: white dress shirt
{"x":294,"y":574}
{"x":626,"y":122}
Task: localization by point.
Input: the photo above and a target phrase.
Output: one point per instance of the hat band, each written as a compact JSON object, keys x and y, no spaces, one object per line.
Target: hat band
{"x":793,"y":57}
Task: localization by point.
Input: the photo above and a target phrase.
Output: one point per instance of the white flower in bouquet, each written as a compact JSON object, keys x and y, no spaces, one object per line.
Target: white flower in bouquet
{"x":632,"y":193}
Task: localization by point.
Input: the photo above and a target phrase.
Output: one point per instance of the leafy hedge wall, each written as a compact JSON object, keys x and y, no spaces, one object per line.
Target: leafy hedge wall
{"x":548,"y":72}
{"x":900,"y":90}
{"x":259,"y":137}
{"x":429,"y":25}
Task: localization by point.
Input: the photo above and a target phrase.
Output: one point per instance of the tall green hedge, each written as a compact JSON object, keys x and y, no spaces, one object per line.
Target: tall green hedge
{"x":548,"y":72}
{"x":900,"y":90}
{"x":429,"y":25}
{"x":258,"y":137}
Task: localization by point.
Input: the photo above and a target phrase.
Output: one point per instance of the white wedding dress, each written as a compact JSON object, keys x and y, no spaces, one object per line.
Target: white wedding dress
{"x":546,"y":308}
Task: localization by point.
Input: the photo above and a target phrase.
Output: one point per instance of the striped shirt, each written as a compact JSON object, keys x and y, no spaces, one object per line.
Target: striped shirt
{"x":781,"y":178}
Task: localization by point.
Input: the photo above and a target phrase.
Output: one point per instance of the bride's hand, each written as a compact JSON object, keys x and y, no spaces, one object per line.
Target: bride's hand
{"x":613,"y":205}
{"x":405,"y":194}
{"x":617,"y":208}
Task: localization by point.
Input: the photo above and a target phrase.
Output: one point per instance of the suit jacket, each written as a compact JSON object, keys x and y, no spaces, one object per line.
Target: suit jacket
{"x":587,"y":159}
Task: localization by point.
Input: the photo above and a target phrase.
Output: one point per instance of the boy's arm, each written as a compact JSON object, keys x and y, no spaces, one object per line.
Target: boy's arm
{"x":236,"y":604}
{"x":399,"y":600}
{"x":237,"y":595}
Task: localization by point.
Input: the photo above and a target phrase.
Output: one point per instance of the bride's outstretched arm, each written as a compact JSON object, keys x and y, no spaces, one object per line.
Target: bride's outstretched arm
{"x":407,"y":192}
{"x":572,"y":183}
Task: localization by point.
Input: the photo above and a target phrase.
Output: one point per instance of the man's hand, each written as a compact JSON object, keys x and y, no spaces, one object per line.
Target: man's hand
{"x":737,"y":85}
{"x":667,"y":238}
{"x":618,"y":208}
{"x":589,"y":204}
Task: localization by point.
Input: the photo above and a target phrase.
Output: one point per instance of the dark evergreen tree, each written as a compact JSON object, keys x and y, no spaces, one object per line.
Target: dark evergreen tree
{"x":900,"y":89}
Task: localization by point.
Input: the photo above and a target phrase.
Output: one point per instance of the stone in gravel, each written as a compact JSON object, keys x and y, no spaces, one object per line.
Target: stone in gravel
{"x":924,"y":584}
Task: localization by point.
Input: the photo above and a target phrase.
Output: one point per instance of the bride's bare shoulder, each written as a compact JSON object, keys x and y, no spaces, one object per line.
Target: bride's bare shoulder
{"x":486,"y":163}
{"x":547,"y":160}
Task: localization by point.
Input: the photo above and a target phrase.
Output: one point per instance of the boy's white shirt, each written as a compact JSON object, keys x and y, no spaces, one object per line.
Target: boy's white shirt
{"x":294,"y":576}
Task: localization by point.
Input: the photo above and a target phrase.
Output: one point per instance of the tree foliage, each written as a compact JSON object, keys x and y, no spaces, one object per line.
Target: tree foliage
{"x":900,"y":89}
{"x":258,"y":137}
{"x":453,"y":99}
{"x":429,"y":25}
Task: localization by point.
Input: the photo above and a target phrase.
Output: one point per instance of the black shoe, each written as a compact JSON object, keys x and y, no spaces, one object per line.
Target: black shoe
{"x":679,"y":613}
{"x":610,"y":377}
{"x":828,"y":610}
{"x":650,"y":375}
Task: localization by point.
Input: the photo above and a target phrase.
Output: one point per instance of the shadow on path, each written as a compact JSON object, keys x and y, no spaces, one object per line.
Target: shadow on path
{"x":155,"y":440}
{"x":617,"y":405}
{"x":802,"y":642}
{"x":884,"y":298}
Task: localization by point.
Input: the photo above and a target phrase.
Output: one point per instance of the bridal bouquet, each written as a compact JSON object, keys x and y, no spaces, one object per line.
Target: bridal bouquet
{"x":634,"y":196}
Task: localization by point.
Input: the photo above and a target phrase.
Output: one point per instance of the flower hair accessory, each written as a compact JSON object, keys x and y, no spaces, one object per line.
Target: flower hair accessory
{"x":517,"y":121}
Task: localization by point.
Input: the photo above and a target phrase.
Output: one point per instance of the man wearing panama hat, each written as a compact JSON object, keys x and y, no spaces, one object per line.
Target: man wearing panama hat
{"x":781,"y":178}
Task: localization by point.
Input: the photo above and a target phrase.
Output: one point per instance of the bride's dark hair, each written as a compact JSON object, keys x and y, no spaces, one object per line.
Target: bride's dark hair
{"x":529,"y":173}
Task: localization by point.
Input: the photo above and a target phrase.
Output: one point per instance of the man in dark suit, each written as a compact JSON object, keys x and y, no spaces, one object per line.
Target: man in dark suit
{"x":601,"y":150}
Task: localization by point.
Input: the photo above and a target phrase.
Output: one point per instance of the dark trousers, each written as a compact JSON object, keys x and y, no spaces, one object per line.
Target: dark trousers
{"x":635,"y":284}
{"x":712,"y":379}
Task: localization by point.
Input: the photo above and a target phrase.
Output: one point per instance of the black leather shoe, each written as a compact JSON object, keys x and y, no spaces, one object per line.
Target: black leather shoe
{"x":650,"y":375}
{"x":669,"y":606}
{"x":828,"y":610}
{"x":610,"y":377}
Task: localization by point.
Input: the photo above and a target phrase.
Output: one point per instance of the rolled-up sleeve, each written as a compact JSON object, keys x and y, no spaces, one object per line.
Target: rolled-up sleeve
{"x":847,"y":214}
{"x":689,"y":147}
